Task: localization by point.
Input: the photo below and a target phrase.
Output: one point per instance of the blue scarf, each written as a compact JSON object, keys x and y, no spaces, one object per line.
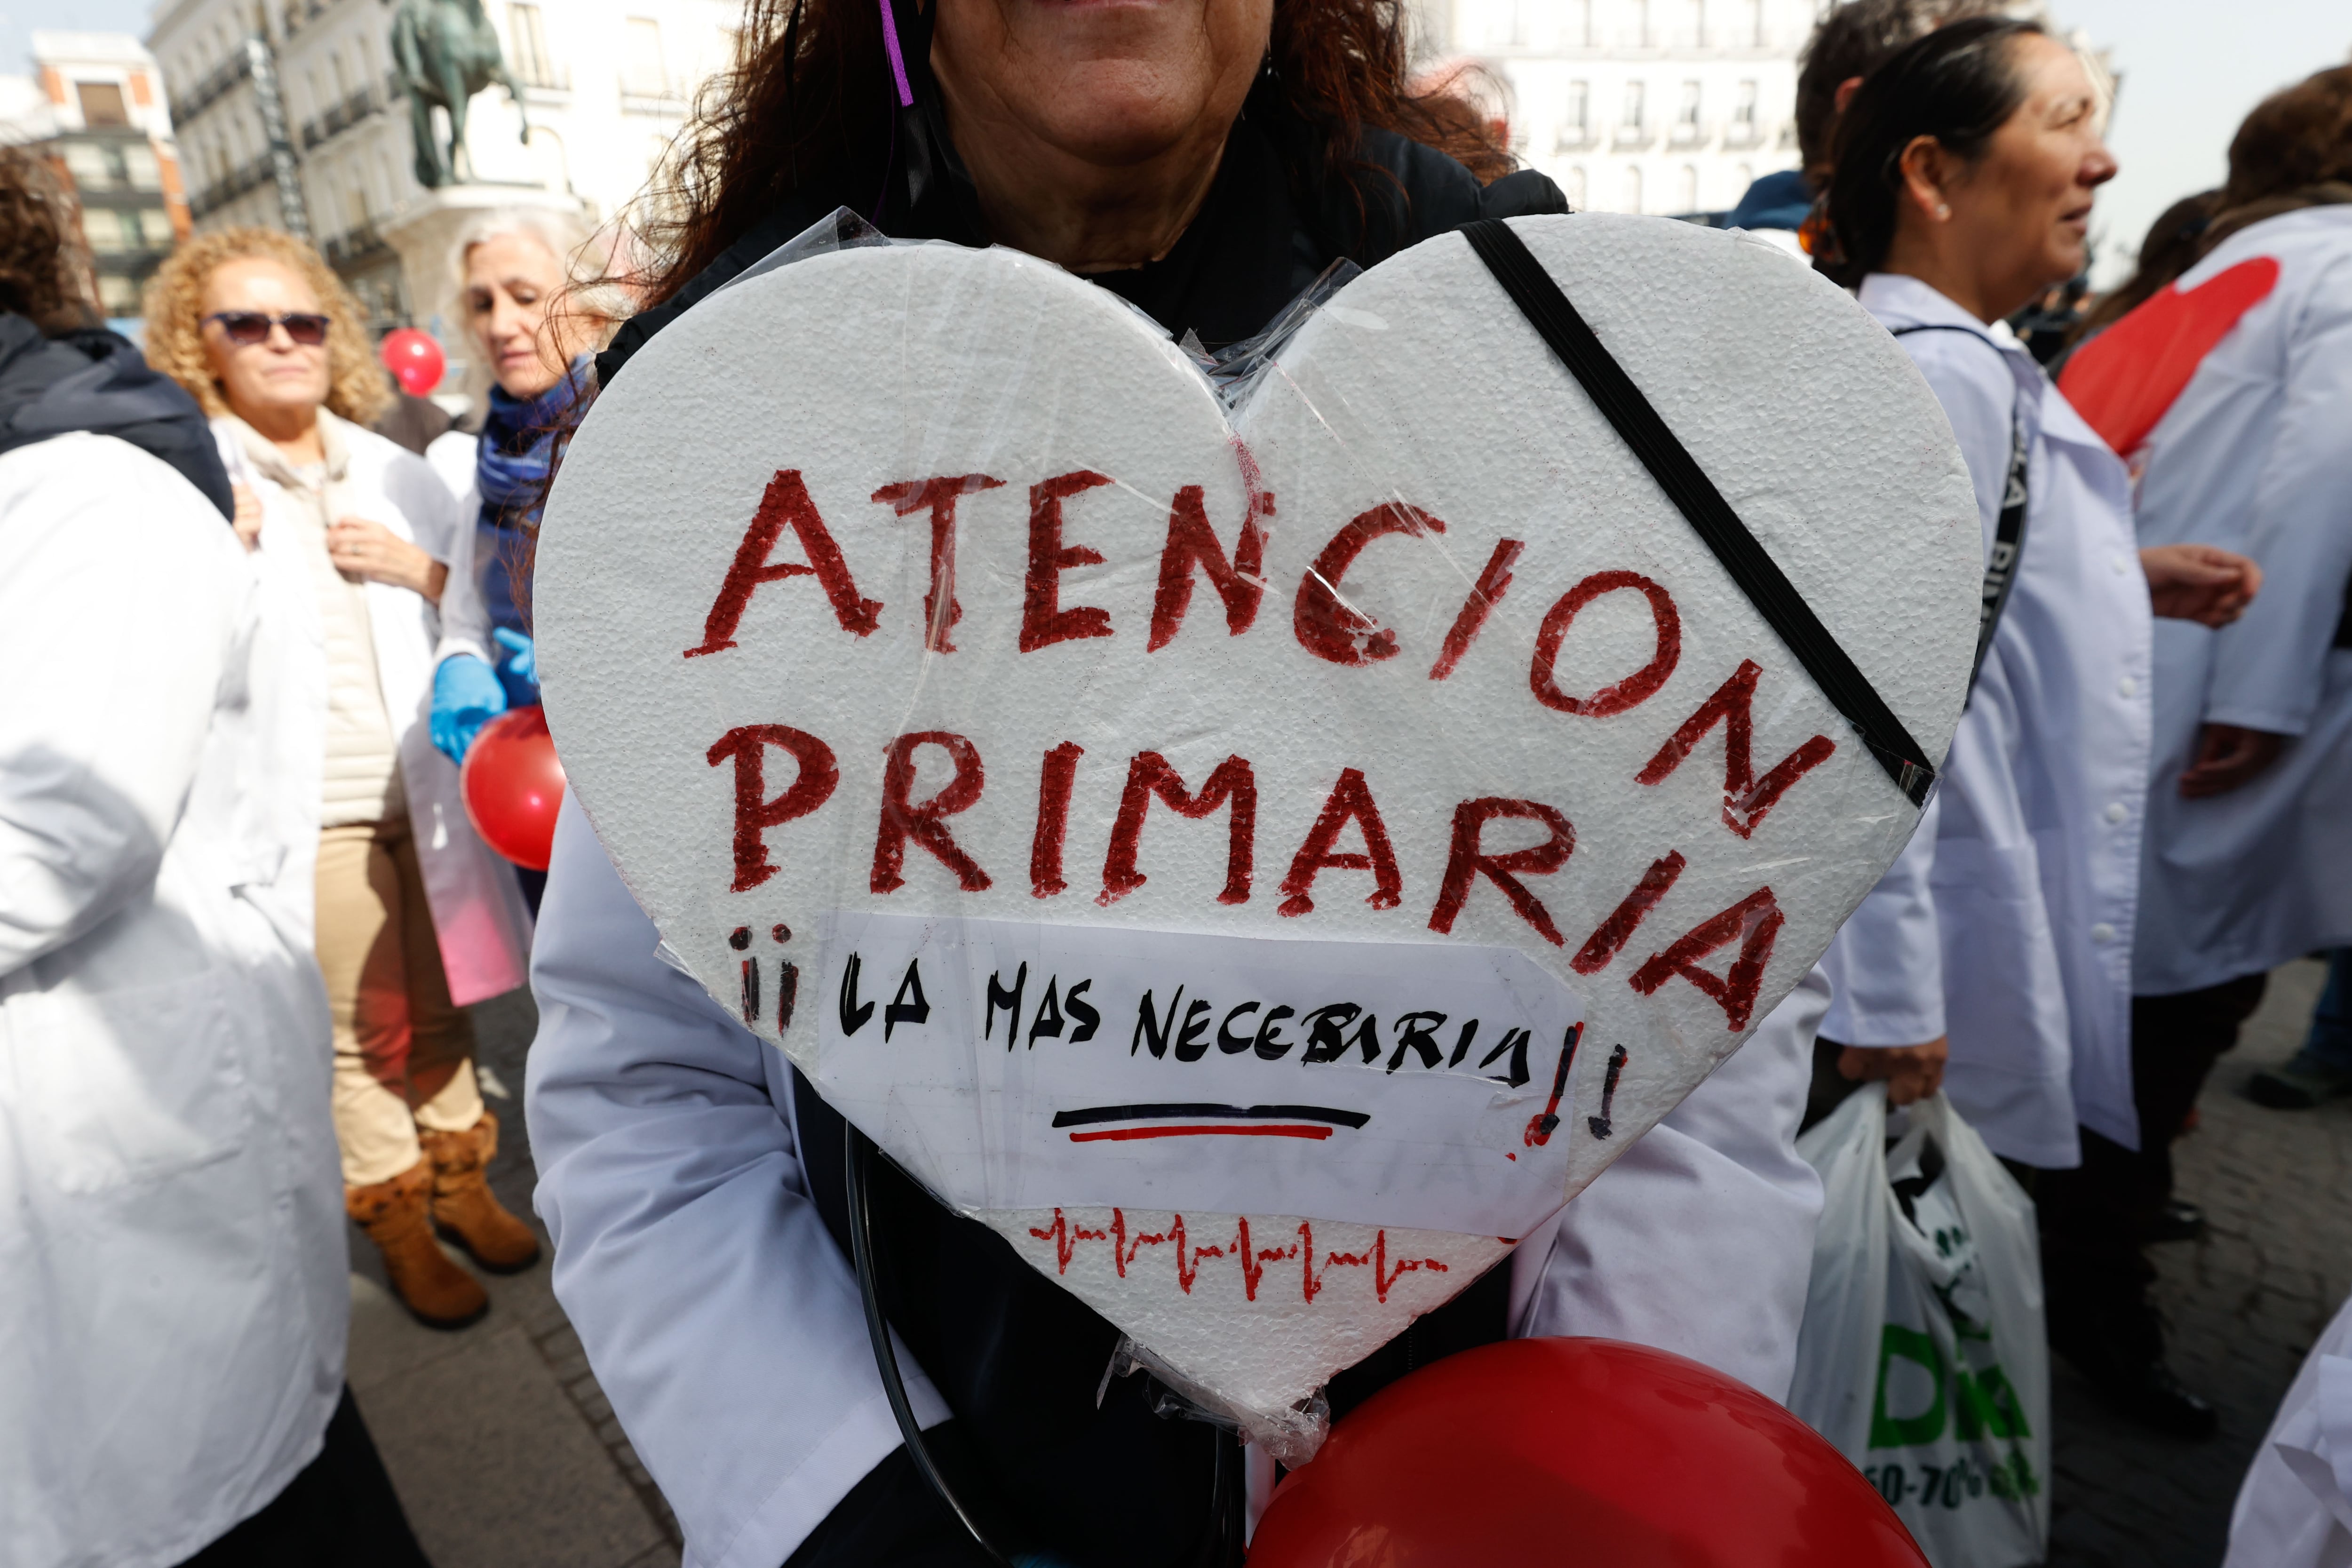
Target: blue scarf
{"x":511,"y":464}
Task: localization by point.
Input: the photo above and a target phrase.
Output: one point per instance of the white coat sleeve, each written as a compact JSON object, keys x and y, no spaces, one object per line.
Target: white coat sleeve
{"x":721,"y":1320}
{"x":1886,"y":964}
{"x":2270,"y":666}
{"x":1700,"y":1240}
{"x":464,"y":621}
{"x":120,"y":597}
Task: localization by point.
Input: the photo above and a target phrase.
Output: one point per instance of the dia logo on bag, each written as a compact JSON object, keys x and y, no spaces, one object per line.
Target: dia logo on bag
{"x":1922,"y":1356}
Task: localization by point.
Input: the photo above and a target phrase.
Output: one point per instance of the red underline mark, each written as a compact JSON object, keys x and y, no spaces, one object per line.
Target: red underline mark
{"x":1119,"y":1135}
{"x":1125,"y":1246}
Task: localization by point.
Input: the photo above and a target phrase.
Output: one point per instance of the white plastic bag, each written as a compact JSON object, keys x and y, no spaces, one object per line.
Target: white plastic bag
{"x":1922,"y":1356}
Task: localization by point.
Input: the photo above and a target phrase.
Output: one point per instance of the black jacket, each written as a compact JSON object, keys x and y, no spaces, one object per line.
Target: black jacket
{"x":1054,"y":1458}
{"x":95,"y":380}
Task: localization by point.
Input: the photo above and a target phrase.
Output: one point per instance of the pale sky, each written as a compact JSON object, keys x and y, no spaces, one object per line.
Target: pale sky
{"x":2192,"y":70}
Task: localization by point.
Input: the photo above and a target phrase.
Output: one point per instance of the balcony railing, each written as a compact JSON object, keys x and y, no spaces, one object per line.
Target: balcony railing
{"x":357,"y":244}
{"x":353,"y":109}
{"x":218,"y":80}
{"x":256,"y":173}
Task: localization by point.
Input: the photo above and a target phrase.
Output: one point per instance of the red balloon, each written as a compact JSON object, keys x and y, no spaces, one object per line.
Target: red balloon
{"x":513,"y":785}
{"x":1577,"y":1451}
{"x":415,"y":360}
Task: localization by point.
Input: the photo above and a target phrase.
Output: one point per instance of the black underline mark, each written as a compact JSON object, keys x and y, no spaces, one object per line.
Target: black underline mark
{"x":1092,"y":1115}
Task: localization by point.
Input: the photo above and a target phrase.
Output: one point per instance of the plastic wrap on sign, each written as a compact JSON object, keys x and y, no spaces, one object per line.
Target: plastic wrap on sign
{"x":1261,"y":844}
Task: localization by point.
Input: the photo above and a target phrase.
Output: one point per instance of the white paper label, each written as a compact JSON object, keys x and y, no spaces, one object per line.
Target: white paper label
{"x":1019,"y":1065}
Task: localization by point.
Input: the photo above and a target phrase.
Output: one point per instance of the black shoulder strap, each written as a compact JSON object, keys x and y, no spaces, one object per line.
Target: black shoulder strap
{"x":1612,"y":391}
{"x":2009,"y":530}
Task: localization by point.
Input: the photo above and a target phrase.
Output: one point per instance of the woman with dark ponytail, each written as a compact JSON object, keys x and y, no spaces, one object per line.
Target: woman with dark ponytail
{"x":1206,"y":160}
{"x":1965,"y":168}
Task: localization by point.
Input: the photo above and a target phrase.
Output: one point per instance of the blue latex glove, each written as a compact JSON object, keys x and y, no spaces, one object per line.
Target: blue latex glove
{"x":466,"y":695}
{"x":518,"y":671}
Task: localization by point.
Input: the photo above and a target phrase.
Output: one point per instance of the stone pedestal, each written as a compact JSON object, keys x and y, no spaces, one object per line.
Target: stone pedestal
{"x":422,"y":233}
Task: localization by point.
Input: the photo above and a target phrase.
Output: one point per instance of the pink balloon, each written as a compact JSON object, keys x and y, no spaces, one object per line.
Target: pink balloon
{"x":415,"y":360}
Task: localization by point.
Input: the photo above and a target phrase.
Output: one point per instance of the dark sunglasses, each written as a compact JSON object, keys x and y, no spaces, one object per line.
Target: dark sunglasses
{"x":246,"y":328}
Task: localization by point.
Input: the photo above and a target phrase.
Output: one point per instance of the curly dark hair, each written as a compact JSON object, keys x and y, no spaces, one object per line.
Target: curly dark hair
{"x":805,"y":110}
{"x":44,"y":271}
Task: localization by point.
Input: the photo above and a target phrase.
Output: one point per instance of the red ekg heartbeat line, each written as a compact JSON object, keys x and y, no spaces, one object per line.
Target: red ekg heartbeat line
{"x":1120,"y":1134}
{"x":1126,"y":1244}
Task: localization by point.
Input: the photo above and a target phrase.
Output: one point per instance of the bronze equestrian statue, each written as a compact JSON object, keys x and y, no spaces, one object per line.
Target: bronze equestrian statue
{"x":447,"y":51}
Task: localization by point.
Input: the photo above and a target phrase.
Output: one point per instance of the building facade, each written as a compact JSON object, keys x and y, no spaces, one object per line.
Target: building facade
{"x":605,"y":84}
{"x":95,"y":108}
{"x":1641,"y":106}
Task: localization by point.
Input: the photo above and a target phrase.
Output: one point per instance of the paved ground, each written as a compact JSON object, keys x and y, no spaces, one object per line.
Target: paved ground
{"x":507,"y":1457}
{"x":2244,"y":1305}
{"x":503,"y":1450}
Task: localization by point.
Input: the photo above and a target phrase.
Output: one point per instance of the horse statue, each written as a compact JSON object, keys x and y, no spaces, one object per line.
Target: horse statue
{"x":446,"y":51}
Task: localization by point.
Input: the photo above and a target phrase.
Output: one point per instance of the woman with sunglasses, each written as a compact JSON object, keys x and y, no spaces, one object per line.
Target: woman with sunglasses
{"x":415,"y":918}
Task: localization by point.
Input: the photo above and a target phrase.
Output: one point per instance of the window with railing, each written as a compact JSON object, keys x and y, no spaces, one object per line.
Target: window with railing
{"x":1686,"y":189}
{"x":145,"y":172}
{"x":642,"y":72}
{"x":86,"y":163}
{"x":1576,"y":117}
{"x":1628,"y":119}
{"x":1686,"y":126}
{"x":534,"y":66}
{"x":1743,"y":116}
{"x":1632,"y":202}
{"x":101,"y":103}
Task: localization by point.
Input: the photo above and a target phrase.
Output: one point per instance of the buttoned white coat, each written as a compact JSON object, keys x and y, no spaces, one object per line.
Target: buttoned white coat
{"x":2256,"y":456}
{"x":2008,"y":921}
{"x":174,"y":1287}
{"x":725,"y":1326}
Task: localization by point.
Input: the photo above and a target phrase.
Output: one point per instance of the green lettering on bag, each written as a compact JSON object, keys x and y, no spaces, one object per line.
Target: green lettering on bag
{"x":1986,"y":1403}
{"x":1903,"y":1432}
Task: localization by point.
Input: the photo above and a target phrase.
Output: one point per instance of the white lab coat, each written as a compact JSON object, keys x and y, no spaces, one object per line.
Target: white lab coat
{"x":478,"y":908}
{"x":725,"y":1326}
{"x":464,"y":620}
{"x":172,"y":1276}
{"x":2008,"y":926}
{"x":2295,"y":1507}
{"x":2256,"y":456}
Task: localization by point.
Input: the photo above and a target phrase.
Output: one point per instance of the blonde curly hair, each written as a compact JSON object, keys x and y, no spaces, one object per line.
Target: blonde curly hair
{"x":357,"y":387}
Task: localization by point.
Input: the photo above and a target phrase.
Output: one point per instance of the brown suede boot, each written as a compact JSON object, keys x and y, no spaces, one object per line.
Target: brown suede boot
{"x":395,"y":1215}
{"x":463,"y":1205}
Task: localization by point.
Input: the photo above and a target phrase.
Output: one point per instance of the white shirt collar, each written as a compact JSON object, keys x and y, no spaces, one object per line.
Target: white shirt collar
{"x":1900,"y":299}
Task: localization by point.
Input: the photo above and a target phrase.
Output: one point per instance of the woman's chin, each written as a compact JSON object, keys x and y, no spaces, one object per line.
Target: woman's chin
{"x":525,"y":381}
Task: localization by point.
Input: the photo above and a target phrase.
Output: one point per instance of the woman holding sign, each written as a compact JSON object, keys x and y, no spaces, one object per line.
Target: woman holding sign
{"x":1206,"y":161}
{"x":1966,"y":170}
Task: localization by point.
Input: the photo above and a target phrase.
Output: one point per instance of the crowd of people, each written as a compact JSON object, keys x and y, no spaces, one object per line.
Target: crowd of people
{"x":253,"y":612}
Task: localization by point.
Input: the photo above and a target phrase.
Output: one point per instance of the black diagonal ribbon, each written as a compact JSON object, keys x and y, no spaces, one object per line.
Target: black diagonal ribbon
{"x":1759,"y":577}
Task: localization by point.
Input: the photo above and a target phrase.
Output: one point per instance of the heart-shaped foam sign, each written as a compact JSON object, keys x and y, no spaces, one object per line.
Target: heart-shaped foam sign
{"x":1260,"y":867}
